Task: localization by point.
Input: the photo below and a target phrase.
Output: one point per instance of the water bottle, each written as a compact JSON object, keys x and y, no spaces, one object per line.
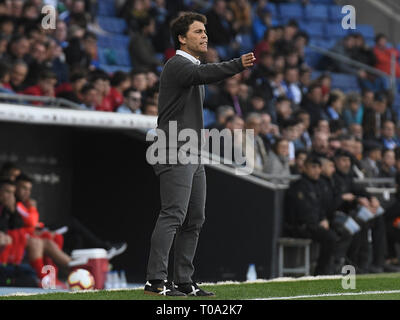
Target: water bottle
{"x":108,"y":283}
{"x":251,"y":272}
{"x":123,"y":282}
{"x":116,"y":282}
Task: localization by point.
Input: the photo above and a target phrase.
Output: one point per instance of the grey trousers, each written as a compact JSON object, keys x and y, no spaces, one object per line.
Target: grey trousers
{"x":182,"y":214}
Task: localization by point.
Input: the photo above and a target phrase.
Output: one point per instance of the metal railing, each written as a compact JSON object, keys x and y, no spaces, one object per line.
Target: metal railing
{"x":29,"y":100}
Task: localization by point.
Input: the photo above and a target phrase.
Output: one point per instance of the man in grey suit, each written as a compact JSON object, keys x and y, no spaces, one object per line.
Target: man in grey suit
{"x":183,"y":186}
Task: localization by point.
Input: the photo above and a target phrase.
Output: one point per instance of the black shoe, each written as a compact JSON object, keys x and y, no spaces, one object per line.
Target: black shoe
{"x":192,"y":289}
{"x":162,"y":288}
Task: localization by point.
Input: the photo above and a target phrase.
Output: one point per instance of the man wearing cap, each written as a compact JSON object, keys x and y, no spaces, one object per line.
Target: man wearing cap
{"x":305,"y":215}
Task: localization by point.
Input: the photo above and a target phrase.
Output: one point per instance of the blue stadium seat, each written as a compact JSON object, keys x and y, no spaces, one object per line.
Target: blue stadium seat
{"x":112,"y":69}
{"x":335,"y":13}
{"x":290,"y":11}
{"x":312,"y":57}
{"x":106,"y":8}
{"x":345,"y":82}
{"x":335,"y":30}
{"x":115,"y":41}
{"x":313,"y":29}
{"x":317,"y":12}
{"x":113,"y":25}
{"x":365,"y":29}
{"x":327,"y":44}
{"x":272,"y":7}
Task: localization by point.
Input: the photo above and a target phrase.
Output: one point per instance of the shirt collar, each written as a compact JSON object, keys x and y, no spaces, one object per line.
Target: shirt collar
{"x":188,"y":56}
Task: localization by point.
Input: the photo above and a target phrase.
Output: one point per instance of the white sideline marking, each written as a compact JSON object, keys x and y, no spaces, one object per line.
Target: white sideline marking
{"x":331,"y":295}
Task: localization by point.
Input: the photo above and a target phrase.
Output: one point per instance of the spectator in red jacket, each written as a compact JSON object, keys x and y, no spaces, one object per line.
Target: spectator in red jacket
{"x":45,"y":86}
{"x":120,"y":82}
{"x":384,"y":55}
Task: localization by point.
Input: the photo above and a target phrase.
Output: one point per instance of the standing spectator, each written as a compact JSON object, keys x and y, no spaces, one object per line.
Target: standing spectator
{"x":384,"y":55}
{"x":132,"y":102}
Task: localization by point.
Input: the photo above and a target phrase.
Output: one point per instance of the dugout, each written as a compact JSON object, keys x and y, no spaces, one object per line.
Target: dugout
{"x":92,"y":166}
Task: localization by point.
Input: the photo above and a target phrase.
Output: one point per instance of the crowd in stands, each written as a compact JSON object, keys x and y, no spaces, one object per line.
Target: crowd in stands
{"x":301,"y":122}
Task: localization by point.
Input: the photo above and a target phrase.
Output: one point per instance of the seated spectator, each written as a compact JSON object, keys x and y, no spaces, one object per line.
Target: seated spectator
{"x":5,"y":78}
{"x":389,"y":139}
{"x":387,"y":166}
{"x":141,"y":48}
{"x":222,"y":114}
{"x":278,"y":159}
{"x":257,"y":103}
{"x":258,"y":156}
{"x":304,"y":139}
{"x":306,"y":217}
{"x":290,"y":132}
{"x":286,"y":45}
{"x":313,"y":104}
{"x":18,"y":49}
{"x":150,"y":108}
{"x":268,"y":131}
{"x":265,"y":47}
{"x":18,"y":73}
{"x":298,"y":166}
{"x":89,"y":96}
{"x":242,"y":15}
{"x":356,"y":130}
{"x":354,"y":200}
{"x":291,"y":85}
{"x":132,"y":102}
{"x":139,"y":80}
{"x":72,"y":91}
{"x":45,"y":86}
{"x":37,"y":62}
{"x":230,"y":96}
{"x":283,"y":107}
{"x":56,"y":61}
{"x":384,"y":54}
{"x":320,"y":144}
{"x":81,"y":51}
{"x":370,"y":162}
{"x":374,"y":118}
{"x":101,"y":82}
{"x":354,"y":110}
{"x":335,"y":105}
{"x":120,"y":82}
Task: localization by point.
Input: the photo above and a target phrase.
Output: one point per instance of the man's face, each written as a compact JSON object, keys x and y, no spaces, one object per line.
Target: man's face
{"x":312,"y":170}
{"x":133,"y":100}
{"x":343,"y":164}
{"x":21,"y":48}
{"x":24,"y":190}
{"x":328,"y":168}
{"x":388,"y":130}
{"x":18,"y":74}
{"x":90,"y":98}
{"x":139,"y":82}
{"x":7,"y":193}
{"x":196,"y":40}
{"x":292,"y":76}
{"x":151,"y":110}
{"x":368,"y":99}
{"x":39,"y":52}
{"x":320,"y":143}
{"x":254,"y":124}
{"x":316,"y":95}
{"x":389,"y":158}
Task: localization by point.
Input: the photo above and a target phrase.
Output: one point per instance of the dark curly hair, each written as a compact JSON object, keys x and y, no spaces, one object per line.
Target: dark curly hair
{"x":180,"y":25}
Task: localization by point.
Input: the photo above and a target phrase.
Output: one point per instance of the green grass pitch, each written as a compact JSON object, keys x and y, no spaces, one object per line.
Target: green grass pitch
{"x":368,"y":287}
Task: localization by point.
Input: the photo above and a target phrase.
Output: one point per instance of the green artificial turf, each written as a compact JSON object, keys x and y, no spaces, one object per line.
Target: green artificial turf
{"x":243,"y":291}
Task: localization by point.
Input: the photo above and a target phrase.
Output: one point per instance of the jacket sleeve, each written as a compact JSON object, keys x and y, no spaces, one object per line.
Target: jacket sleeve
{"x":189,"y":74}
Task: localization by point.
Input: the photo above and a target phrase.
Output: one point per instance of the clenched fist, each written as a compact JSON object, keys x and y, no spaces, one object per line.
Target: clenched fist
{"x":248,"y":60}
